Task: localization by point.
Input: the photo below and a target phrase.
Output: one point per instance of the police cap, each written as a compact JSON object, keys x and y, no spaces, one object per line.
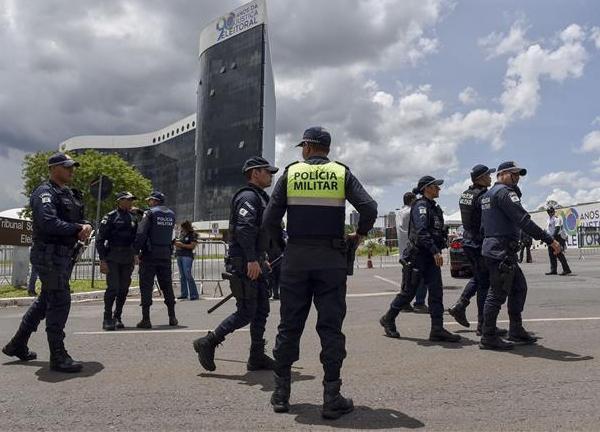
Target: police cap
{"x":427,"y":181}
{"x":481,"y":170}
{"x":258,"y":162}
{"x":316,"y":135}
{"x":512,"y":167}
{"x":156,"y":195}
{"x":125,"y":195}
{"x":61,"y":159}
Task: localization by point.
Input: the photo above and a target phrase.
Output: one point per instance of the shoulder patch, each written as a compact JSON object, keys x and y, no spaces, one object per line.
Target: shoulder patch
{"x":422,"y":210}
{"x":243,"y":211}
{"x":514,"y":197}
{"x":250,"y":206}
{"x":46,"y":197}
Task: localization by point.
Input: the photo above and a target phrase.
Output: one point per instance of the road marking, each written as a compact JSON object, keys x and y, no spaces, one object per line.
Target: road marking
{"x":388,"y":281}
{"x":538,"y":320}
{"x":122,"y":332}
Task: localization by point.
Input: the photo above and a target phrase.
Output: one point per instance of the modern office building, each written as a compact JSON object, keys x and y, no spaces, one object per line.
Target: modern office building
{"x":196,"y":161}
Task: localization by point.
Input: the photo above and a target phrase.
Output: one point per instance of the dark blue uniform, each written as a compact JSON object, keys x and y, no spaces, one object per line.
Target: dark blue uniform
{"x":470,"y":209}
{"x":314,"y":270}
{"x":503,"y":218}
{"x":115,"y":246}
{"x":154,"y":243}
{"x":57,"y":219}
{"x":247,"y":244}
{"x":427,"y":237}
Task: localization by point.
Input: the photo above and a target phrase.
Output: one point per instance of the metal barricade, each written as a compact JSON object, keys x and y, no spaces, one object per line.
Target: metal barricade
{"x":208,"y":266}
{"x":588,"y":241}
{"x":6,"y":259}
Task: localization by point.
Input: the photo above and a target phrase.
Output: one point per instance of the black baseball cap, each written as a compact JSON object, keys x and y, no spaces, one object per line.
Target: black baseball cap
{"x":62,"y":159}
{"x":125,"y":195}
{"x":317,"y":135}
{"x":258,"y":162}
{"x":512,"y":167}
{"x":428,"y":181}
{"x":481,"y":170}
{"x":156,"y":195}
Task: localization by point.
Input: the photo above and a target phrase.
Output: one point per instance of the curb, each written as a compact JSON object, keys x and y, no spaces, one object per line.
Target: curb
{"x":75,"y":298}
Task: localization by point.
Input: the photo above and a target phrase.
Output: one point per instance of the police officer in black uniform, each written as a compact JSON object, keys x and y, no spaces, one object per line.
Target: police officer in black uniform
{"x":153,"y":243}
{"x":314,"y":269}
{"x":247,"y":261}
{"x":427,"y":238}
{"x":117,"y":257}
{"x":470,"y":210}
{"x":503,"y":217}
{"x":57,"y":226}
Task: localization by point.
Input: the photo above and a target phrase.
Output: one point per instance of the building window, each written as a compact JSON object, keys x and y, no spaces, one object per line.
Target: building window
{"x":209,"y":152}
{"x":193,"y":123}
{"x":241,"y":144}
{"x":222,"y":70}
{"x":212,"y":92}
{"x":233,"y":65}
{"x":188,"y":126}
{"x":177,"y":130}
{"x":163,"y":136}
{"x":153,"y":140}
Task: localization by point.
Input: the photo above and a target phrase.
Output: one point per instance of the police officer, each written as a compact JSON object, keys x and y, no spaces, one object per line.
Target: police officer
{"x":117,"y":257}
{"x":427,"y":237}
{"x":57,"y":226}
{"x":246,"y":260}
{"x":502,"y":218}
{"x":314,"y":269}
{"x":153,"y":243}
{"x":470,"y":209}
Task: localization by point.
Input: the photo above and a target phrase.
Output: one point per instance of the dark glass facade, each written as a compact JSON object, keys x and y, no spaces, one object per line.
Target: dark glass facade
{"x":230,"y":119}
{"x":170,"y":166}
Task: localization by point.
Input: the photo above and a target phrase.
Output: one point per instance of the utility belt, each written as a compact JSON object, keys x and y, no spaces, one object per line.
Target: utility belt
{"x":335,"y":243}
{"x":241,"y":287}
{"x":53,"y":249}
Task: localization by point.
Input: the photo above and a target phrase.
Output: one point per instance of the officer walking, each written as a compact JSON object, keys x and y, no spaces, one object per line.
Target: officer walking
{"x":247,"y":262}
{"x":153,"y":243}
{"x":114,"y":243}
{"x":57,"y":213}
{"x":502,"y":218}
{"x":470,"y":209}
{"x":427,"y":239}
{"x":555,"y":229}
{"x":314,"y":269}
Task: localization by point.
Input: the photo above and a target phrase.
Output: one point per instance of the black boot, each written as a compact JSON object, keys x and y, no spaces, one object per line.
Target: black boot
{"x":61,"y":361}
{"x":172,"y":319}
{"x":499,"y":331}
{"x":205,"y":347}
{"x":440,"y":334}
{"x":334,"y":404}
{"x":258,"y":360}
{"x":280,"y":399}
{"x":17,"y":347}
{"x":145,"y":322}
{"x":495,"y":342}
{"x":458,"y":312}
{"x":518,"y":334}
{"x":388,"y":322}
{"x":109,"y":322}
{"x":118,"y":323}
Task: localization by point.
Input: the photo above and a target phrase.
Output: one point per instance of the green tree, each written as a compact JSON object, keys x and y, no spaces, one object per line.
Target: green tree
{"x":93,"y":163}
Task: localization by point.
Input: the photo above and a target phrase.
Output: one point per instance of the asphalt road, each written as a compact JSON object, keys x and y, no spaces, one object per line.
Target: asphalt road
{"x":151,"y":380}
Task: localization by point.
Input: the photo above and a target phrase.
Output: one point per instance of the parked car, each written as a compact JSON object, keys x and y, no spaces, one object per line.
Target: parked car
{"x":460,"y":266}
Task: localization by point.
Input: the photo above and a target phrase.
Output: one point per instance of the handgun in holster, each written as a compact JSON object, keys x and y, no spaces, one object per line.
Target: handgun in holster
{"x":351,"y":246}
{"x":410,"y":273}
{"x":241,"y":287}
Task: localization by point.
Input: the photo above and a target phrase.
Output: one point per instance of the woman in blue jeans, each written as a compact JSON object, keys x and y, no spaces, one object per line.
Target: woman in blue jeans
{"x":184,"y":250}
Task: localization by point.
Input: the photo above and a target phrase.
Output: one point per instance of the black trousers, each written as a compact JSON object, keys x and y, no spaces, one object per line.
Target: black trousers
{"x":161,"y":269}
{"x":253,"y":311}
{"x":554,"y":261}
{"x":118,"y":281}
{"x":479,"y":284}
{"x":298,"y":290}
{"x":525,"y":250}
{"x":432,"y":275}
{"x":504,"y":283}
{"x":54,"y":302}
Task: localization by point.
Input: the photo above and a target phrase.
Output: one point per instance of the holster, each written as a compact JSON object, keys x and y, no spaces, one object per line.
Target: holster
{"x":241,"y":287}
{"x":411,"y":276}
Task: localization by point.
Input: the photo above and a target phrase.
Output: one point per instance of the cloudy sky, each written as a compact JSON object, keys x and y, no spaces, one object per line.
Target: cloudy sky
{"x":406,"y":87}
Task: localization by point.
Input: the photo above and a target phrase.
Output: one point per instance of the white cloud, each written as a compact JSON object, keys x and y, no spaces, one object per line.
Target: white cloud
{"x":558,"y":178}
{"x":595,"y":36}
{"x":596,"y":121}
{"x":468,"y":96}
{"x":10,"y":191}
{"x":498,"y":44}
{"x":458,"y":187}
{"x":591,"y":142}
{"x":562,"y":197}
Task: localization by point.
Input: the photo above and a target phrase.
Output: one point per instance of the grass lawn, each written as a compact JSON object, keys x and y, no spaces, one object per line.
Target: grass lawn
{"x":77,"y":286}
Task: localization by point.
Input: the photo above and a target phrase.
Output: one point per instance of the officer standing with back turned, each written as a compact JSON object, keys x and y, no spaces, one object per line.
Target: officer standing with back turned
{"x":470,"y":210}
{"x":423,"y":257}
{"x":153,"y":243}
{"x":246,"y":261}
{"x":503,"y":217}
{"x":57,"y":213}
{"x":114,"y":243}
{"x":313,"y":193}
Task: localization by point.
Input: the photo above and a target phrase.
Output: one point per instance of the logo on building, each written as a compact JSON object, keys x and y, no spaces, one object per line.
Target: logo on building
{"x":238,"y":21}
